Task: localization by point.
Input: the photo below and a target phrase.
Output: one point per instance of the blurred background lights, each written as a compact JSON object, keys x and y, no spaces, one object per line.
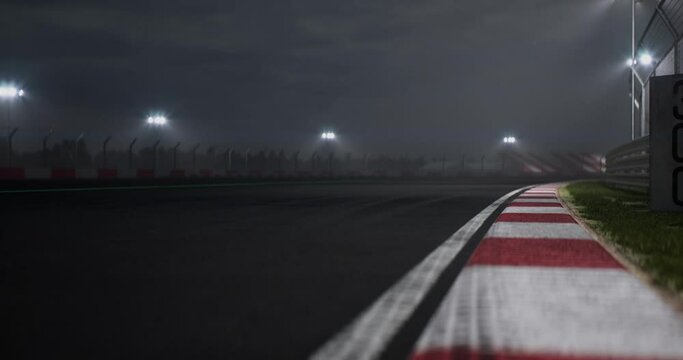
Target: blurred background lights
{"x":328,"y":135}
{"x":156,"y":120}
{"x":10,"y":92}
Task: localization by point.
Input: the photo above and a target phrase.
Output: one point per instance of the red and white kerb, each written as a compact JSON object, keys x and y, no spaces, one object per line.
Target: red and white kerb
{"x":540,"y":287}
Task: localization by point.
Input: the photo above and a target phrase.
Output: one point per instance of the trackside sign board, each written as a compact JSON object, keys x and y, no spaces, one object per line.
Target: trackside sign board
{"x":666,"y":143}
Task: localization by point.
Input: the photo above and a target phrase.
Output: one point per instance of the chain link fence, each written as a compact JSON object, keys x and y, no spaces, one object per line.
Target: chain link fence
{"x":662,"y":40}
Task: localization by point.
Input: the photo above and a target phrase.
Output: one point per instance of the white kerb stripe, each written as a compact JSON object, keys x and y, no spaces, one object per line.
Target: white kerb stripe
{"x":606,"y":312}
{"x":535,"y":210}
{"x":538,"y":230}
{"x":537,"y":200}
{"x":367,"y":335}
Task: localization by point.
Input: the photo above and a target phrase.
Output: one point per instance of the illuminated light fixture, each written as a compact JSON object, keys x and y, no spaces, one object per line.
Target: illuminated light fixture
{"x":645,"y":59}
{"x":328,"y":135}
{"x":631,"y":62}
{"x":509,"y":140}
{"x":10,"y":92}
{"x":157,"y":120}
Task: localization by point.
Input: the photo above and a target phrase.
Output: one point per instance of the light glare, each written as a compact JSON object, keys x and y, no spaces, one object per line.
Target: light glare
{"x":646,"y":59}
{"x":156,"y":120}
{"x":328,"y":135}
{"x":10,"y":92}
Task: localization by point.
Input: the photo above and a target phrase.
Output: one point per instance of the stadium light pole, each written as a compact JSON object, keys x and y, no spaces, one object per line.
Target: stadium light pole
{"x":328,"y":137}
{"x":229,"y":155}
{"x":154,"y":157}
{"x":296,"y":161}
{"x":10,"y":93}
{"x":130,"y":152}
{"x":508,"y":141}
{"x":156,"y":122}
{"x":633,"y":57}
{"x":194,"y":156}
{"x":175,"y":155}
{"x":45,"y":138}
{"x":104,"y":151}
{"x":632,"y":61}
{"x":315,"y":153}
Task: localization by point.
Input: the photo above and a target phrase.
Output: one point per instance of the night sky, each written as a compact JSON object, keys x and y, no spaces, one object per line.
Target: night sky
{"x":401,"y":76}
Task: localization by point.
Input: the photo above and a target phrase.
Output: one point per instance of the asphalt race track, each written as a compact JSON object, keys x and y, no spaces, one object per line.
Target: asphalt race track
{"x":253,"y":272}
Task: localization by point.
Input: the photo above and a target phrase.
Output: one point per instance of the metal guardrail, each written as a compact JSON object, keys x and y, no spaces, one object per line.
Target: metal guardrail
{"x":628,"y":165}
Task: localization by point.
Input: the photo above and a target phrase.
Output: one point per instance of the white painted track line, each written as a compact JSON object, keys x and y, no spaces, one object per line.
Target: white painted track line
{"x":367,"y":335}
{"x":548,"y":299}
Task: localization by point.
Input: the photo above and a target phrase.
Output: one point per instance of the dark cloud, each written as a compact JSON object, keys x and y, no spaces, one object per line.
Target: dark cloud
{"x":403,"y":76}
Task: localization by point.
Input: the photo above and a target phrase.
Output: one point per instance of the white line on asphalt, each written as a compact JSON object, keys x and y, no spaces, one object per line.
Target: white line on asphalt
{"x":367,"y":335}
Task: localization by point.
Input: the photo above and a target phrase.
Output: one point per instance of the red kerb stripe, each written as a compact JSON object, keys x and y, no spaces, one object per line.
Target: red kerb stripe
{"x":462,"y":353}
{"x":535,"y":204}
{"x":537,"y":196}
{"x":536,"y":218}
{"x":542,"y":252}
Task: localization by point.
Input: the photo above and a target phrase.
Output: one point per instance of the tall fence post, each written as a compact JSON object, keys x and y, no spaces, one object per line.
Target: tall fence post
{"x":175,"y":155}
{"x":330,"y":159}
{"x":130,"y":153}
{"x":296,"y":161}
{"x":74,"y":153}
{"x":9,"y":145}
{"x":229,"y":153}
{"x":280,"y":155}
{"x":315,"y":153}
{"x":104,"y":152}
{"x":194,"y":156}
{"x":45,"y":147}
{"x":154,"y":155}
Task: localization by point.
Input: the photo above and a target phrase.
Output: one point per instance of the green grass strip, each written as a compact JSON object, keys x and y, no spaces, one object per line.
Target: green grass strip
{"x":651,"y":240}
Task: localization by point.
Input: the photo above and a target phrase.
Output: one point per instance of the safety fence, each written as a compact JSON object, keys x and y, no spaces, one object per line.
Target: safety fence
{"x":628,"y":165}
{"x":662,"y":40}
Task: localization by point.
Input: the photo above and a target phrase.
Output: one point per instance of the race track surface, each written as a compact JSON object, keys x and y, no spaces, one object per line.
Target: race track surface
{"x":254,"y":272}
